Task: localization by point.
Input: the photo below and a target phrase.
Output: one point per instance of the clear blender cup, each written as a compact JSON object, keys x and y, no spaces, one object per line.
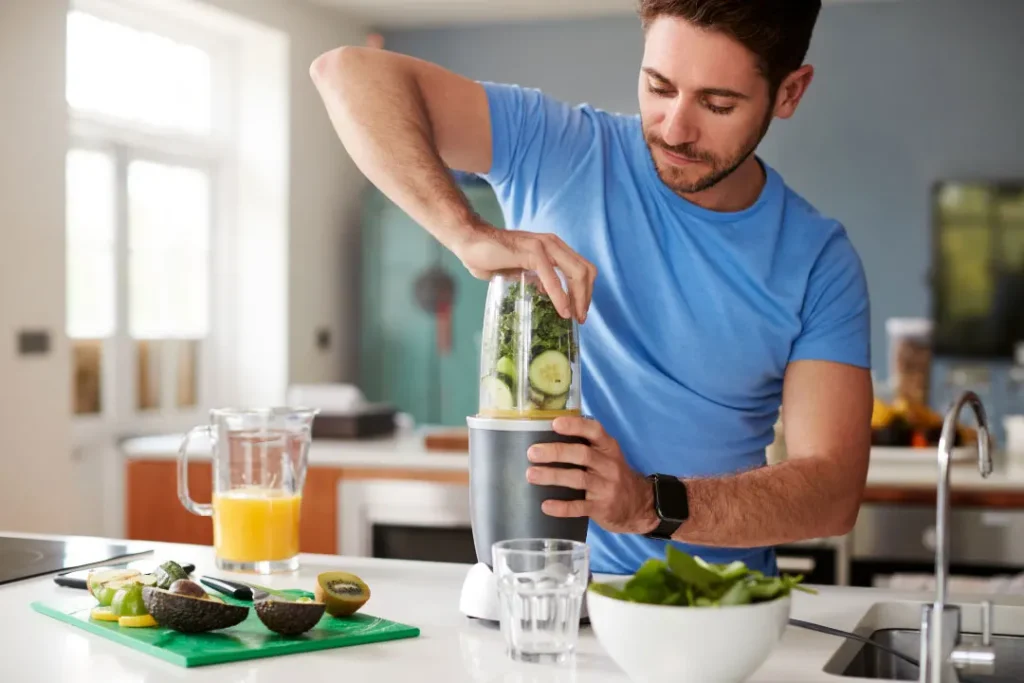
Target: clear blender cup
{"x":529,"y":360}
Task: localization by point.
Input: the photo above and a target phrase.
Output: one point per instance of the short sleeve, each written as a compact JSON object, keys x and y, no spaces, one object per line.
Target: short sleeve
{"x":537,"y":143}
{"x":837,"y":312}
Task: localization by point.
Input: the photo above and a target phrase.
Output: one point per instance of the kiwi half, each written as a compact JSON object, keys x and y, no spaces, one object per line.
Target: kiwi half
{"x":342,"y":592}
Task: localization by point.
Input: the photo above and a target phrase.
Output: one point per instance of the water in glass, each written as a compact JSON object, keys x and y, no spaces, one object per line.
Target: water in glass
{"x":541,"y":584}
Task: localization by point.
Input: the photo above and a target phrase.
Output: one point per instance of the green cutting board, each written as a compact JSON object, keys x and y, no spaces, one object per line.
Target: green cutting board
{"x":248,"y":640}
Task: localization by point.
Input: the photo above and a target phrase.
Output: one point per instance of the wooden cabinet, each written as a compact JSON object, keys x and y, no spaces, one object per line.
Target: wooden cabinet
{"x":154,"y":512}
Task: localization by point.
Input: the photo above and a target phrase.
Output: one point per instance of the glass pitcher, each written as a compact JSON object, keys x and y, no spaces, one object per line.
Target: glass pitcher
{"x":259,"y":469}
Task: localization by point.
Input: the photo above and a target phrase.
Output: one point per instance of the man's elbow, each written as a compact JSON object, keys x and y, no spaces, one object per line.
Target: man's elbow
{"x":844,"y":512}
{"x":329,"y":62}
{"x":844,"y":520}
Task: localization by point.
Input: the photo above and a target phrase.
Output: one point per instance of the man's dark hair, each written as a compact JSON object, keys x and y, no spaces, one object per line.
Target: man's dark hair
{"x":777,"y":31}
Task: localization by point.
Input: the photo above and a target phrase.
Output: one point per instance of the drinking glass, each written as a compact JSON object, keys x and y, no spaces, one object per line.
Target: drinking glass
{"x":541,"y":584}
{"x":259,"y":469}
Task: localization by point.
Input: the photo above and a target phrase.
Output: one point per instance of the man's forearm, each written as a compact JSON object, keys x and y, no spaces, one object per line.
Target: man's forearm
{"x":782,"y":503}
{"x":376,"y":106}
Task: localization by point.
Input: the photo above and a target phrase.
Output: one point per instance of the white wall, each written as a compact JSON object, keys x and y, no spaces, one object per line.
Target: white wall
{"x":324,"y":187}
{"x":36,"y":469}
{"x":44,"y":487}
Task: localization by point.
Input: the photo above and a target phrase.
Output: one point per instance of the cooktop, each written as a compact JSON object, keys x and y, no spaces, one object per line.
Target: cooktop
{"x":23,"y":558}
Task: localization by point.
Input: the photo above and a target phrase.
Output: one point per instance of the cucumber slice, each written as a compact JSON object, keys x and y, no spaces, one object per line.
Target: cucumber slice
{"x":551,"y":373}
{"x":537,"y":398}
{"x":496,"y":394}
{"x":505,"y":366}
{"x":557,"y":402}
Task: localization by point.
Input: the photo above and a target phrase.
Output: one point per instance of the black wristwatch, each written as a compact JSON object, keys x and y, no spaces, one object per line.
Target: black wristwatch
{"x":670,"y":504}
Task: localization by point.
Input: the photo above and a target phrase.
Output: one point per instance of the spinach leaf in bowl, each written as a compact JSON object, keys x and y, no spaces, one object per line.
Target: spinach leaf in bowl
{"x":685,"y":580}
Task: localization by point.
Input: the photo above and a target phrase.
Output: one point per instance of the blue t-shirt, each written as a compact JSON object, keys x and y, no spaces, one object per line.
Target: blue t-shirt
{"x":695,"y":313}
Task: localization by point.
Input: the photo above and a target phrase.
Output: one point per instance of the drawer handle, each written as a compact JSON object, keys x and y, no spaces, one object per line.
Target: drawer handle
{"x":790,"y":564}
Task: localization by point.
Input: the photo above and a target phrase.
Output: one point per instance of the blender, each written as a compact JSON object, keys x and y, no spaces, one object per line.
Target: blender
{"x":529,"y":375}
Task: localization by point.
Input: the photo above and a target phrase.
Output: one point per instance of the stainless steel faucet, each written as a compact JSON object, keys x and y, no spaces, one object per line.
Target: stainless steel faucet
{"x":942,"y":654}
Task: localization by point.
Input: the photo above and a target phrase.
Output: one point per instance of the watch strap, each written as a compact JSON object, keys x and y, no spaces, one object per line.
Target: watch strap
{"x":666,"y":526}
{"x":664,"y":530}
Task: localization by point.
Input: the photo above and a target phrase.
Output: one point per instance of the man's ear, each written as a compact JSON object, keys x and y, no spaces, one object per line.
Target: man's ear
{"x":792,"y":90}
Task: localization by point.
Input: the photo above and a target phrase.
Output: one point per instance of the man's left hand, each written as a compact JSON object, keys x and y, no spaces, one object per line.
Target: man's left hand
{"x":617,"y":498}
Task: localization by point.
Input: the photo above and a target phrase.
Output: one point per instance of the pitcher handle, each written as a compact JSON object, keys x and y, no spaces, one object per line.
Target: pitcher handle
{"x":201,"y":509}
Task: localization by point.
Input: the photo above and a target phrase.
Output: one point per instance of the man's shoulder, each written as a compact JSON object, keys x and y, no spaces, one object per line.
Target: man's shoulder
{"x":804,"y":217}
{"x":819,"y":233}
{"x":583,"y":117}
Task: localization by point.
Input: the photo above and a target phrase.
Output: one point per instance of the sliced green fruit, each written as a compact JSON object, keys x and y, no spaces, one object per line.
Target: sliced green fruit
{"x":342,"y":592}
{"x":506,"y":366}
{"x":168,"y":573}
{"x":496,"y":394}
{"x":100,"y":577}
{"x":537,"y":398}
{"x":551,"y":373}
{"x":105,"y":595}
{"x":556,"y":402}
{"x":128,"y":601}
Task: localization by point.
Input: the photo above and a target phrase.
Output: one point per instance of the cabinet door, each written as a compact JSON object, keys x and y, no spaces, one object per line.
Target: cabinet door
{"x":400,"y":361}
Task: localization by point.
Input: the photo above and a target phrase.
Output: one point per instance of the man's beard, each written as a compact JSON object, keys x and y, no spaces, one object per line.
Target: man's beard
{"x":720,"y":168}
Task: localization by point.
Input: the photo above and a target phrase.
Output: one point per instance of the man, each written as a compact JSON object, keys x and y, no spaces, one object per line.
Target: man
{"x":708,"y":292}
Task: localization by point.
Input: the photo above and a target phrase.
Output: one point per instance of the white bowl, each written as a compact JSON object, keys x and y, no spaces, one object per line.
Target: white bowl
{"x":667,"y":643}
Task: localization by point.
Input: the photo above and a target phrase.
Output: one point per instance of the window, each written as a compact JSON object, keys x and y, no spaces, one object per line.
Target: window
{"x":978,"y":267}
{"x":142,"y":219}
{"x":177,"y":214}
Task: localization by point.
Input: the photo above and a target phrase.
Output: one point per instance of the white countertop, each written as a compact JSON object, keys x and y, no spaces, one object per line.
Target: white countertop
{"x":451,"y":648}
{"x":405,"y":450}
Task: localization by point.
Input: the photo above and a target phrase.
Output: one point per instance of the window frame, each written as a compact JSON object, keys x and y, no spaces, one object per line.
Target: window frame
{"x":215,"y":154}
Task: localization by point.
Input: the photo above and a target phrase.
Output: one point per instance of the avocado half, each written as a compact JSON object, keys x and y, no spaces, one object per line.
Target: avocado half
{"x":189,"y":614}
{"x":287,"y":617}
{"x":342,"y":592}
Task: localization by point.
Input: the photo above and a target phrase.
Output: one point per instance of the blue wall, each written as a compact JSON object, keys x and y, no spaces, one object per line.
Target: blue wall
{"x":906,"y":93}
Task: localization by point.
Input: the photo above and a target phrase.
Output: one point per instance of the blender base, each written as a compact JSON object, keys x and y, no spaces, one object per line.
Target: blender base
{"x":479,"y":598}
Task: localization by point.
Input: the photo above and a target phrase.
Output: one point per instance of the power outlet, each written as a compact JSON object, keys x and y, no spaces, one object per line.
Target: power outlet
{"x":33,"y":342}
{"x":323,"y":339}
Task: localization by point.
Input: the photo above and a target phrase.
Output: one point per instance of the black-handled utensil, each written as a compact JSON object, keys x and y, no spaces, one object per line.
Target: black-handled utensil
{"x":239,"y":591}
{"x":77,"y":579}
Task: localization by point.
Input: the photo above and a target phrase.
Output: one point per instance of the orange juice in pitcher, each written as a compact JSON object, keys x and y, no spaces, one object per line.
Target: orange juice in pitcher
{"x":255,"y":524}
{"x":259,"y":468}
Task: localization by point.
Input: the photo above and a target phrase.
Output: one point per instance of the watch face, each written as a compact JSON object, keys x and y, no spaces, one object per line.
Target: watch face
{"x":672,"y":502}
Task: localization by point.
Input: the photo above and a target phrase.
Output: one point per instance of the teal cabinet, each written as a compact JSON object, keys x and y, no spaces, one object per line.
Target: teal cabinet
{"x":400,"y":361}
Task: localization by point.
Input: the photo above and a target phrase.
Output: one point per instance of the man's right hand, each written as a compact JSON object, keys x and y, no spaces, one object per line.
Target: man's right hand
{"x":406,"y":122}
{"x":486,"y":250}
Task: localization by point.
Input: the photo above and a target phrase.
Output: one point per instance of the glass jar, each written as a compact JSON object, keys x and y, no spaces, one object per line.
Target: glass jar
{"x":910,"y":358}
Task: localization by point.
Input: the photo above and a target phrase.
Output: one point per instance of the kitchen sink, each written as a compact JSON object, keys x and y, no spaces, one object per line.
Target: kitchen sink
{"x":870,"y":662}
{"x":896,"y":625}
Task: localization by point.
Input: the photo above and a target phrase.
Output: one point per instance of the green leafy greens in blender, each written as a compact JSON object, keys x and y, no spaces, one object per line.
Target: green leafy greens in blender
{"x":552,"y":351}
